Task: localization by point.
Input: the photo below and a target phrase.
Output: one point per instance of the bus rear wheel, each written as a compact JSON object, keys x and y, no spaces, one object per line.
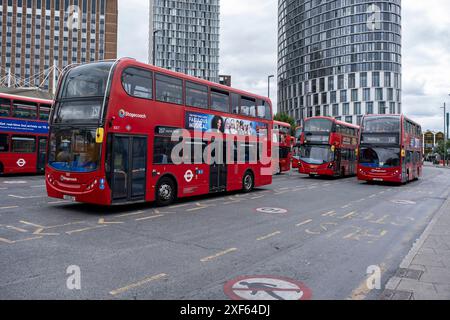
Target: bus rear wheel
{"x":165,"y":192}
{"x":248,"y":182}
{"x":1,"y":168}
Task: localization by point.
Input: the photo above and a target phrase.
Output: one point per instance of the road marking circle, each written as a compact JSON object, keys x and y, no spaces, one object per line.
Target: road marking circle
{"x":266,"y":288}
{"x":272,"y":210}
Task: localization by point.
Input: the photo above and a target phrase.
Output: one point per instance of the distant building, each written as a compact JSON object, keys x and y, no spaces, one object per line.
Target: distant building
{"x":38,"y":36}
{"x":431,"y":140}
{"x":339,"y":58}
{"x":186,"y":36}
{"x":225,"y":80}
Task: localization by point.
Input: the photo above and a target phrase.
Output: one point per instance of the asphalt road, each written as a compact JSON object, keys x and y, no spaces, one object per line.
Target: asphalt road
{"x":327,"y":235}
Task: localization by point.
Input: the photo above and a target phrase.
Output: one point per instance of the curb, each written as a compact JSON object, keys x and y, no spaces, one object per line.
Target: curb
{"x":393,"y":282}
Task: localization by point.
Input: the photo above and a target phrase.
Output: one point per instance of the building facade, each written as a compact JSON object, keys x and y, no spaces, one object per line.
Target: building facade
{"x":38,"y":38}
{"x":185,"y":36}
{"x":339,"y":58}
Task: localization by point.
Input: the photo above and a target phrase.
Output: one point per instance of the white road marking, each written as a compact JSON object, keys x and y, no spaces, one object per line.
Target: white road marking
{"x":304,"y":222}
{"x":6,"y":208}
{"x":23,"y":198}
{"x":269,"y":236}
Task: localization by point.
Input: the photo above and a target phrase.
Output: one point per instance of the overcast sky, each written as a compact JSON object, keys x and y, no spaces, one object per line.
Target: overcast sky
{"x":248,"y":49}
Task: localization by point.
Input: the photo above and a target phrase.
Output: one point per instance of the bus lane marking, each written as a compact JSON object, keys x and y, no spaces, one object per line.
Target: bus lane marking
{"x":137,"y":284}
{"x":218,"y":255}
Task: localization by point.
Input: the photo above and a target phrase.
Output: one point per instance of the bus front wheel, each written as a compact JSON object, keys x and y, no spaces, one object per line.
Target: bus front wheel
{"x":165,"y":192}
{"x":248,"y":182}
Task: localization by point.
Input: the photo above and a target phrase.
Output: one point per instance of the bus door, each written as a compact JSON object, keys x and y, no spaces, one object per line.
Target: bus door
{"x":129,"y":159}
{"x":42,"y":153}
{"x":218,"y":169}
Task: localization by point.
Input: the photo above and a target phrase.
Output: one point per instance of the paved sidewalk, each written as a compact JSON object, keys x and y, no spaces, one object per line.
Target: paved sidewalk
{"x":425,"y":273}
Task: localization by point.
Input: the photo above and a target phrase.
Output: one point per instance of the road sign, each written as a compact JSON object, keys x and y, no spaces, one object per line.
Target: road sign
{"x":21,"y":163}
{"x":272,"y":210}
{"x":266,"y":288}
{"x":188,"y":176}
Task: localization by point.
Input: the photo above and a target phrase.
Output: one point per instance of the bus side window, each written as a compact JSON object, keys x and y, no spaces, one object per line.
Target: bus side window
{"x":23,"y":144}
{"x":235,"y":103}
{"x":5,"y":108}
{"x":138,"y":83}
{"x":4,"y":145}
{"x":169,"y":89}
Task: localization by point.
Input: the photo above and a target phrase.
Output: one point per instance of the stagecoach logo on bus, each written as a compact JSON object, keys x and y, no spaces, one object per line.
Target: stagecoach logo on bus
{"x":126,"y":114}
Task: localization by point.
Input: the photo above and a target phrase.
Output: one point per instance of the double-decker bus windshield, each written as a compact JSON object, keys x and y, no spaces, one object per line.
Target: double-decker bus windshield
{"x":318,"y":125}
{"x":312,"y":154}
{"x":83,"y":90}
{"x":382,"y":125}
{"x":74,"y":150}
{"x":379,"y":157}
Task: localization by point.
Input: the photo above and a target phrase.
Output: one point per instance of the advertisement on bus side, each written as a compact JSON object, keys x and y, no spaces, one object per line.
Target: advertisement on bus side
{"x":211,"y":123}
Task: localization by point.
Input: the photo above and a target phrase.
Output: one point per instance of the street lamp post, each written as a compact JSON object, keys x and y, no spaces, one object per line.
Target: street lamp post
{"x":268,"y":84}
{"x":445,"y":133}
{"x":154,"y":46}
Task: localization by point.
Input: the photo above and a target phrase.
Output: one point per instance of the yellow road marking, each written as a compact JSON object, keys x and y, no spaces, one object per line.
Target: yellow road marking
{"x":179,"y":206}
{"x":130,"y":214}
{"x":6,"y":241}
{"x":362,"y":291}
{"x":28,"y":239}
{"x":31,"y":224}
{"x":269,"y":236}
{"x":137,"y":284}
{"x":217,"y":255}
{"x":85,"y":229}
{"x":16,"y":229}
{"x":304,"y":222}
{"x":151,"y":217}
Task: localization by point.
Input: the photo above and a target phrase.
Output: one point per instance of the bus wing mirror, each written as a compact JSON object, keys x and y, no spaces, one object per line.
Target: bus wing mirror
{"x":99,"y":135}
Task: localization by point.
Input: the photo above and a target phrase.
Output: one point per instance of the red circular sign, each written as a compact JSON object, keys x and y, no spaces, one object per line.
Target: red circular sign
{"x":264,"y":288}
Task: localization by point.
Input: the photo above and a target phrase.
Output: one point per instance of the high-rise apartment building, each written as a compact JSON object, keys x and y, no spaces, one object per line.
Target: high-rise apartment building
{"x":185,"y":35}
{"x":339,"y":58}
{"x":37,"y":36}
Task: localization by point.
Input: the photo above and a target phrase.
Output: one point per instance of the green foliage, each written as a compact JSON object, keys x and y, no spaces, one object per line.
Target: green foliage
{"x":286,"y":118}
{"x":440,"y":147}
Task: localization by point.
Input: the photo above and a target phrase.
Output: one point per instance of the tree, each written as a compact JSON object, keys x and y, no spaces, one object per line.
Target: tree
{"x":440,"y":148}
{"x":286,"y":118}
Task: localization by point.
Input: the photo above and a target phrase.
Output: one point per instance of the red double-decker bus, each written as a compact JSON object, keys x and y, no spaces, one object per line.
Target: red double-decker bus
{"x":390,"y":149}
{"x":296,"y":147}
{"x":328,"y":148}
{"x":23,"y":134}
{"x":113,"y":128}
{"x":283,"y":141}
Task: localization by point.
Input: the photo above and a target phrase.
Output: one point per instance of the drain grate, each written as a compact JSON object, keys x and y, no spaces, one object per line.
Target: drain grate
{"x":409,"y":274}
